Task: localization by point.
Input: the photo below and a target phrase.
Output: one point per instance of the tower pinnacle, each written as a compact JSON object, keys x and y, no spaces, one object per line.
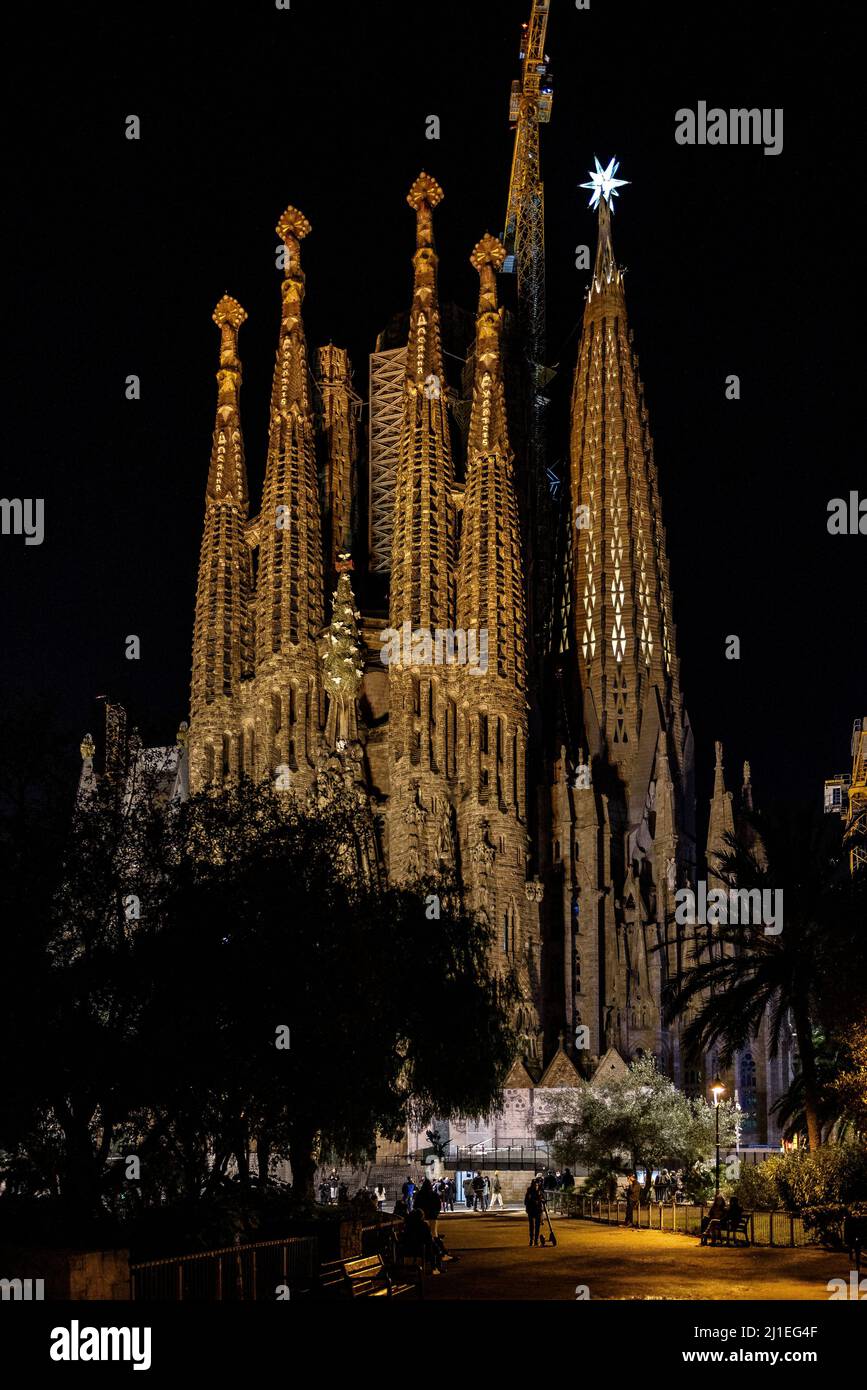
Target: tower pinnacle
{"x":228,"y":474}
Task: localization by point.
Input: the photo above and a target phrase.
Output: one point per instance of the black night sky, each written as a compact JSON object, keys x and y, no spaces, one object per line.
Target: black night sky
{"x":738,"y":263}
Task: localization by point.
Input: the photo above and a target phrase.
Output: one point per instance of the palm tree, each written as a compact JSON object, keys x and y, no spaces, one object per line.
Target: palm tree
{"x":740,"y":972}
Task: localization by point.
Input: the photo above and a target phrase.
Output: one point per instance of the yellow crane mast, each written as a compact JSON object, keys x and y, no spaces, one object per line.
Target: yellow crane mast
{"x":524,"y":240}
{"x":855,"y":834}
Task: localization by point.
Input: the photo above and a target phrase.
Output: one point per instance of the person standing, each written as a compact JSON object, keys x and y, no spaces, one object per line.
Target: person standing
{"x":496,"y":1192}
{"x":478,"y":1192}
{"x":533,"y":1208}
{"x":634,"y":1200}
{"x":379,"y":1194}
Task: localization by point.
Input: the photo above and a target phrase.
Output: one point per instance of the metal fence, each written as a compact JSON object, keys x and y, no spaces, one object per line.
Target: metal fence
{"x":237,"y":1273}
{"x":526,"y":1157}
{"x":781,"y":1228}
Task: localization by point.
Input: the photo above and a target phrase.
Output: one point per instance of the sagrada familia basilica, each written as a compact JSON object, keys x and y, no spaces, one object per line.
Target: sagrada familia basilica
{"x":426,"y":613}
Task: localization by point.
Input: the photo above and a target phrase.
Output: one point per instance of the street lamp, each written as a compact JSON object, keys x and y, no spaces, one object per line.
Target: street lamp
{"x":717,"y":1090}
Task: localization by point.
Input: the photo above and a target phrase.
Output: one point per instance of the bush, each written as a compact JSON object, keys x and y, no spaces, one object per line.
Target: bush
{"x":835,"y":1175}
{"x":756,"y":1188}
{"x":834,"y":1224}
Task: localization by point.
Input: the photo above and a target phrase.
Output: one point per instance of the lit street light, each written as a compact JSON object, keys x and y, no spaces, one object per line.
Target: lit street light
{"x":717,"y":1090}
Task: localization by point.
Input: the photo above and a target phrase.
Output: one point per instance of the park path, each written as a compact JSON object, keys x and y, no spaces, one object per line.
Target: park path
{"x":614,"y":1262}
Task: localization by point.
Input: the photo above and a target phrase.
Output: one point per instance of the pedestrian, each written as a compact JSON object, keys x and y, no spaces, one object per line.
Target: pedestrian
{"x":478,"y":1192}
{"x":323,"y":1193}
{"x":408,"y":1191}
{"x":379,"y":1194}
{"x":486,"y":1194}
{"x":533,"y":1208}
{"x":469,"y":1195}
{"x":496,"y":1192}
{"x":333,"y":1184}
{"x":637,"y":1196}
{"x":568,"y":1180}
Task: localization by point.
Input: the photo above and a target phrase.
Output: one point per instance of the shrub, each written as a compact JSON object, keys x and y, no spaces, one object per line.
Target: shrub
{"x":756,"y":1188}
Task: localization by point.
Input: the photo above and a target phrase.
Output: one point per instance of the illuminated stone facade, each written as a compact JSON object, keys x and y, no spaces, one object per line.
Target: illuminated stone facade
{"x":576,"y":873}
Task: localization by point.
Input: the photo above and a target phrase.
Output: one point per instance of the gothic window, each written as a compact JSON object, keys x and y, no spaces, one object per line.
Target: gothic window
{"x":416,"y":695}
{"x":291,"y":704}
{"x":505,"y":931}
{"x":209,"y":763}
{"x":577,"y":972}
{"x":483,"y":732}
{"x":276,"y":713}
{"x":556,"y":851}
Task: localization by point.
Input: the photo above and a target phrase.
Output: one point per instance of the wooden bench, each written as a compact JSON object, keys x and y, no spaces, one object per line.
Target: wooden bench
{"x":365,"y":1276}
{"x":720,"y":1232}
{"x":740,"y":1228}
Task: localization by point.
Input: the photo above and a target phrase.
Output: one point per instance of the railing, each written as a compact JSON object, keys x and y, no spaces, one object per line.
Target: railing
{"x":529,"y":1157}
{"x":780,"y":1228}
{"x":237,"y":1273}
{"x":380,"y":1238}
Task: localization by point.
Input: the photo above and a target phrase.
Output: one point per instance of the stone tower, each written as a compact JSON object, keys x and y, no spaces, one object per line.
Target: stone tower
{"x":223,"y":638}
{"x":622,"y":805}
{"x":492,"y":744}
{"x":422,"y":723}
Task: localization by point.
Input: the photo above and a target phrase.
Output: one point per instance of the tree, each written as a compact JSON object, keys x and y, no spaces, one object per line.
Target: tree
{"x":306,"y":1003}
{"x":639,"y":1117}
{"x":741,"y":972}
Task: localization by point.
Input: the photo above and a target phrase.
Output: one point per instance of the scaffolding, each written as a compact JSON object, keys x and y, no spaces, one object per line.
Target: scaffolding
{"x":387,"y":372}
{"x":855,"y":835}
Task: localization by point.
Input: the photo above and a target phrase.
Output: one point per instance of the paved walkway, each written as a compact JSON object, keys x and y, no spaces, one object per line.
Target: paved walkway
{"x":614,"y":1262}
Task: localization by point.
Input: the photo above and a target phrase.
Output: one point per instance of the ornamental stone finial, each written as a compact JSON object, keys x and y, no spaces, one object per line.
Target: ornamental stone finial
{"x":489,"y":251}
{"x":88,"y":747}
{"x":423,"y":197}
{"x":293,"y":226}
{"x":229,"y":311}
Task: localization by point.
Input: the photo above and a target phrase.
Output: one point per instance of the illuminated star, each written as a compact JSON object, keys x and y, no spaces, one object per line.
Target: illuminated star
{"x":603,"y":183}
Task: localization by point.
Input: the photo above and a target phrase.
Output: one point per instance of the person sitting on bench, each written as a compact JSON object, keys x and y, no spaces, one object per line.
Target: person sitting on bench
{"x":734,"y":1218}
{"x":713,"y":1223}
{"x":418,"y":1240}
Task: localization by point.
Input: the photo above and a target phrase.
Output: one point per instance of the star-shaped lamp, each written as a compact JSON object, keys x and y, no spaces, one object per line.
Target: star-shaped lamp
{"x":604,"y":184}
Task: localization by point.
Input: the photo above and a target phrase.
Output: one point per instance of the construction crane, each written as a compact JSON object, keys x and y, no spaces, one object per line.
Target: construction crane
{"x":524,"y":240}
{"x":524,"y":237}
{"x":855,"y":834}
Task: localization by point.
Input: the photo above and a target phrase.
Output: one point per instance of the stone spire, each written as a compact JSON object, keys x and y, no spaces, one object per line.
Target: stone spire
{"x":722,"y":821}
{"x":490,"y":603}
{"x":423,"y":719}
{"x":289,"y":586}
{"x":622,"y":616}
{"x":423,"y":551}
{"x":290,"y":606}
{"x":490,"y":588}
{"x":223,"y":630}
